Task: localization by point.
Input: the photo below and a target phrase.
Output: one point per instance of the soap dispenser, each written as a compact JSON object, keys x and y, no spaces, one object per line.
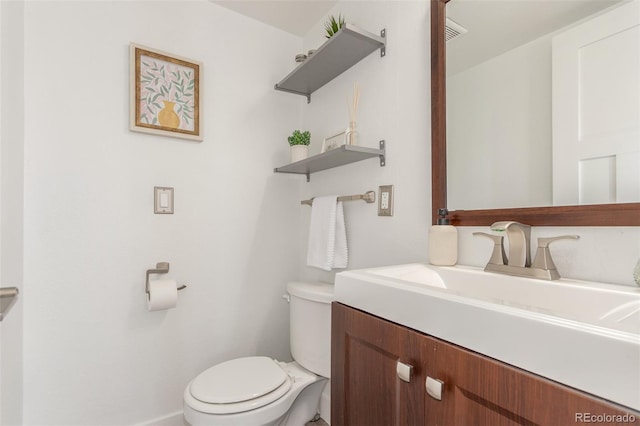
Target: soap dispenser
{"x":443,"y":241}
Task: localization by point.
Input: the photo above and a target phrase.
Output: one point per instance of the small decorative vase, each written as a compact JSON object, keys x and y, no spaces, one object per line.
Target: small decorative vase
{"x":299,"y":152}
{"x":352,"y":135}
{"x":167,"y":117}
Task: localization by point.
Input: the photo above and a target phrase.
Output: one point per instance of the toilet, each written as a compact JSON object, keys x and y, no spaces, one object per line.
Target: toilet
{"x":261,"y":391}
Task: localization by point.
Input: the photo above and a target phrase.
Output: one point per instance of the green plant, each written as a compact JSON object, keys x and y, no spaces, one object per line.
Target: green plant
{"x":333,"y":25}
{"x":300,"y":138}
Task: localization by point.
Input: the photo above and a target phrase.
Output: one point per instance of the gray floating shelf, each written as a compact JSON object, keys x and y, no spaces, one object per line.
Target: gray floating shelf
{"x":345,"y":49}
{"x":346,"y":154}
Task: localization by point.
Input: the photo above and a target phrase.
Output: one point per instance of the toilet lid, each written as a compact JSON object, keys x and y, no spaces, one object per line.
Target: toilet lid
{"x":238,"y":380}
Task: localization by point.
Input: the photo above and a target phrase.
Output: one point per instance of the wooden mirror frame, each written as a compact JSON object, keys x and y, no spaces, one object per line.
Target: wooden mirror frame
{"x":627,"y":214}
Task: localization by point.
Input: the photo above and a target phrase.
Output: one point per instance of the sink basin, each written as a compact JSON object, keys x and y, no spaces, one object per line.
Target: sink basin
{"x":583,"y":334}
{"x":611,"y":306}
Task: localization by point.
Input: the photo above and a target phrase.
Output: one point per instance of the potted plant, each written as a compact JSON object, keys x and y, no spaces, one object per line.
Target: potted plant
{"x":333,"y":25}
{"x":299,"y":143}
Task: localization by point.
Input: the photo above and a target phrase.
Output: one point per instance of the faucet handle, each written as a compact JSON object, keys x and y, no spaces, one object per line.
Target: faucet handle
{"x":498,"y":256}
{"x":543,"y":258}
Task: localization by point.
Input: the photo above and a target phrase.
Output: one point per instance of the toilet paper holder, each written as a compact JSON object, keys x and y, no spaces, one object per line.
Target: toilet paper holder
{"x":161,"y":268}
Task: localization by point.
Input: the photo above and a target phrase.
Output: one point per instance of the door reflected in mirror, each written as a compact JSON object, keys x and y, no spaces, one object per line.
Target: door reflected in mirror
{"x":543,"y":103}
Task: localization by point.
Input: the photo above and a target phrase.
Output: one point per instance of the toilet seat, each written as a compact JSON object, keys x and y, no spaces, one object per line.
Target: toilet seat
{"x":239,"y":385}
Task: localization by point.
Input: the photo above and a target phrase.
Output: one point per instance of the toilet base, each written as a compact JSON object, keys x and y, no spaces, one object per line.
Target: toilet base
{"x":295,"y":408}
{"x":306,"y":405}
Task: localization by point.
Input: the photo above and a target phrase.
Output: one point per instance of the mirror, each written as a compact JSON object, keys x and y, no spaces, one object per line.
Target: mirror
{"x":569,"y":214}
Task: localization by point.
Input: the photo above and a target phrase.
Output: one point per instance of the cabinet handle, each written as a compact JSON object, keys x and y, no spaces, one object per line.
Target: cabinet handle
{"x":404,"y":371}
{"x":434,"y":388}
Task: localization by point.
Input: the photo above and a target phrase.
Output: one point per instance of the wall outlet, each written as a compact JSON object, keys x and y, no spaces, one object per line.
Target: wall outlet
{"x":385,"y":200}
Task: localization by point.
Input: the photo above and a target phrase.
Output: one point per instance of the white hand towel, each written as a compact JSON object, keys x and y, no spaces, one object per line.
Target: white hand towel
{"x":340,"y":251}
{"x":327,"y":234}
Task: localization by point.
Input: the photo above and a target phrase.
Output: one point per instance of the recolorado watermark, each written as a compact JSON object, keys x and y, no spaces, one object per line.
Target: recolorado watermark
{"x":604,"y":418}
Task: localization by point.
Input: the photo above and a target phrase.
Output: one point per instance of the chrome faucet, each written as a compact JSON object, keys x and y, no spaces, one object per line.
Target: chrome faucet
{"x":518,"y":262}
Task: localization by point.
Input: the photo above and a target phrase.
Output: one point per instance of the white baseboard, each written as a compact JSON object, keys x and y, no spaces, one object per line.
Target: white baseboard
{"x":174,"y":419}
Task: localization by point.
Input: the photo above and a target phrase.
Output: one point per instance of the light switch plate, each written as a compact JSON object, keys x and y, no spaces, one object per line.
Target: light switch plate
{"x":385,"y":200}
{"x":162,"y":200}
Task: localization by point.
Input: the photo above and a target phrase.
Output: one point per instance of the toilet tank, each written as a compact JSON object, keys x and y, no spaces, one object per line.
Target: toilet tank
{"x":310,"y":325}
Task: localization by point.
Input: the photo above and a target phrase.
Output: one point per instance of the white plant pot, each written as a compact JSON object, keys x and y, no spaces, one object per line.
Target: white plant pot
{"x":299,"y":152}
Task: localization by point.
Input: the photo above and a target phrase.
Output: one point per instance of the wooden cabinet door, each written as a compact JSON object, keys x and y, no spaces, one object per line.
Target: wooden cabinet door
{"x":482,"y":391}
{"x":476,"y":390}
{"x":365,"y":388}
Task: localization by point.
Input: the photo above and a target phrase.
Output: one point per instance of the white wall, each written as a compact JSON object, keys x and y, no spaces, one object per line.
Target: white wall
{"x":93,"y":354}
{"x":499,"y":126}
{"x":11,"y":201}
{"x":394,"y":106}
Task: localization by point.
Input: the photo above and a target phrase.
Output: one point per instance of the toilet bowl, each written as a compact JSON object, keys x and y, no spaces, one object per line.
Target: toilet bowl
{"x":261,"y":391}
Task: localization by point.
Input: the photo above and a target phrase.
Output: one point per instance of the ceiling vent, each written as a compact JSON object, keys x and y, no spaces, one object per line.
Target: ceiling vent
{"x":453,"y":30}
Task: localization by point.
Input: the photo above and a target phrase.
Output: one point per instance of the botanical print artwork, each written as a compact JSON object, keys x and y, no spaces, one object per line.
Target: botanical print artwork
{"x":165,"y":94}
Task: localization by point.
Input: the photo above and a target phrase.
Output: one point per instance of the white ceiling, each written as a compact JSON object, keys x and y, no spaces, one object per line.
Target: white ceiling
{"x":293,"y":16}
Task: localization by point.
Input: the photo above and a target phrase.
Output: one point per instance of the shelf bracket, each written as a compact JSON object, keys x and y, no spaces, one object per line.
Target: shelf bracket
{"x":383,"y":48}
{"x":383,"y":156}
{"x":295,"y":92}
{"x":308,"y":176}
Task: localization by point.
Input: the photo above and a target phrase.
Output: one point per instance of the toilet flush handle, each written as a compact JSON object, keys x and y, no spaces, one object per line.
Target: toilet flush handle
{"x":286,"y":297}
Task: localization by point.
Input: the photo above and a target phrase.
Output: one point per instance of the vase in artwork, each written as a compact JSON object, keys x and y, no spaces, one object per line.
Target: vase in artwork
{"x":167,"y":116}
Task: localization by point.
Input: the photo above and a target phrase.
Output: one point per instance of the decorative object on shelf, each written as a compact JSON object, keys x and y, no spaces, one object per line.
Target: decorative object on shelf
{"x":165,"y":94}
{"x":352,"y":132}
{"x":299,"y":143}
{"x":333,"y":25}
{"x":334,"y":141}
{"x":301,"y":57}
{"x":311,"y":52}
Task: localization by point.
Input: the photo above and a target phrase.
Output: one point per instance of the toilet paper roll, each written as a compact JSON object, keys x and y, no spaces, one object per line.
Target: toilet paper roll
{"x":163,"y":294}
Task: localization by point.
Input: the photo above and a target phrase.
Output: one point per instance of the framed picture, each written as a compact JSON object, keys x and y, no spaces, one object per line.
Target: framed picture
{"x":333,"y":142}
{"x":165,"y":94}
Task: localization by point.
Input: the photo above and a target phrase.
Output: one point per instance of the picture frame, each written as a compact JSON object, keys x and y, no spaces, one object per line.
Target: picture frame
{"x":165,"y":94}
{"x":334,"y":141}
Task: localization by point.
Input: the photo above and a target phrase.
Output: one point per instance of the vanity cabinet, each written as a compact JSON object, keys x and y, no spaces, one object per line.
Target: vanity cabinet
{"x":475,"y":390}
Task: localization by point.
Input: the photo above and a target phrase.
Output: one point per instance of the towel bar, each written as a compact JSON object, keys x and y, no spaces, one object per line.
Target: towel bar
{"x":369,"y":197}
